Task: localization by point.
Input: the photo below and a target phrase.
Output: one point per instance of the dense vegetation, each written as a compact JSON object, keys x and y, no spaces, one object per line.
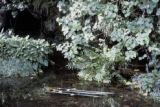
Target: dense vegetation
{"x":22,"y":56}
{"x":104,"y":36}
{"x":105,"y":40}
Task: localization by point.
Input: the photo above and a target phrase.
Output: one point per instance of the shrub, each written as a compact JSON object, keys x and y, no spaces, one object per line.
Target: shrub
{"x":22,"y":55}
{"x":15,"y":67}
{"x":149,"y":83}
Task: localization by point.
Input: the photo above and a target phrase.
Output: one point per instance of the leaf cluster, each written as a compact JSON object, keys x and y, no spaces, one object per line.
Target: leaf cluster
{"x":115,"y":28}
{"x":33,"y":53}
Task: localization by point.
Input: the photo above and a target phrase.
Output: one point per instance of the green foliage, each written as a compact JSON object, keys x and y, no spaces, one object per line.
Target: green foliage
{"x":145,"y":82}
{"x":149,"y":83}
{"x":14,"y":67}
{"x":95,"y":66}
{"x":14,"y":6}
{"x":117,"y":29}
{"x":16,"y":50}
